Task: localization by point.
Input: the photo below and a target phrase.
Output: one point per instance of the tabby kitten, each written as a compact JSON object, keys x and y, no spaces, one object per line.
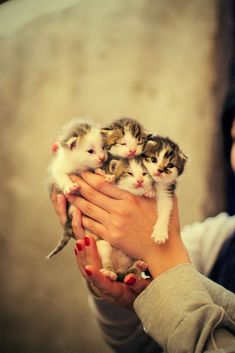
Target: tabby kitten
{"x":130,"y":175}
{"x":165,"y":162}
{"x":124,"y":138}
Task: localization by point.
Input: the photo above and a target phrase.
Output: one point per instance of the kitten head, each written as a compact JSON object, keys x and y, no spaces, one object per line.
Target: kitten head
{"x":83,"y":144}
{"x":131,"y":175}
{"x":163,"y":159}
{"x":124,"y":138}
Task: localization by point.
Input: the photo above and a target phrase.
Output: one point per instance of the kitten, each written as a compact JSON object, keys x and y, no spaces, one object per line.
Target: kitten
{"x":130,"y":175}
{"x":124,"y":138}
{"x":165,"y":162}
{"x":80,"y":147}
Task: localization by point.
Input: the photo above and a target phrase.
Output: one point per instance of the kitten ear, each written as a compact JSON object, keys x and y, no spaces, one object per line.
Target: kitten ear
{"x":183,"y":157}
{"x":150,"y":144}
{"x":72,"y":142}
{"x":113,"y":165}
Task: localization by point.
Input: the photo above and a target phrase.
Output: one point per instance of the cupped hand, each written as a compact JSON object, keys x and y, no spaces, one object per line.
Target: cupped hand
{"x":117,"y":293}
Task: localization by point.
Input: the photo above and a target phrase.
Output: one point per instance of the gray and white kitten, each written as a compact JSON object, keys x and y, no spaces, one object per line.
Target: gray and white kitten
{"x":165,"y":162}
{"x":130,"y":175}
{"x":80,"y":147}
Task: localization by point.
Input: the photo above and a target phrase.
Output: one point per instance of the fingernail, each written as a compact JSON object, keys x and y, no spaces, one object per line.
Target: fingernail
{"x":76,"y":252}
{"x":79,"y":247}
{"x":131,"y":281}
{"x":87,"y":241}
{"x":88,"y":272}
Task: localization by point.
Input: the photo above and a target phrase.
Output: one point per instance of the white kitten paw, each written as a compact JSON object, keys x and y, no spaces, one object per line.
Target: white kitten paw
{"x":71,"y":189}
{"x":150,"y":194}
{"x":100,"y":171}
{"x":141,"y":265}
{"x":109,"y":274}
{"x":110,"y":178}
{"x":160,"y":236}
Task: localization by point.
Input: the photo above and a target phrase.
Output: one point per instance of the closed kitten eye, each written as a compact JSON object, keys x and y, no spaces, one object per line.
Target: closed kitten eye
{"x":154,"y":160}
{"x":73,"y":145}
{"x":122,"y":144}
{"x":144,"y":174}
{"x":90,"y":151}
{"x":129,"y":173}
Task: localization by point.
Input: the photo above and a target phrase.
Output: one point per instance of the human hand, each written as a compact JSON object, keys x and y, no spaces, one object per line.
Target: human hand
{"x":89,"y":264}
{"x":59,"y":202}
{"x":127,"y":221}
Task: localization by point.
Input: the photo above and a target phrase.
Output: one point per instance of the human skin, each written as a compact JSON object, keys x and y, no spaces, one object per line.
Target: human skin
{"x":127,"y":222}
{"x":117,"y":214}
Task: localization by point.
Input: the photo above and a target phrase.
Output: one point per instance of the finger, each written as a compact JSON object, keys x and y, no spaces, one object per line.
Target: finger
{"x":92,"y":195}
{"x":91,"y":251}
{"x":60,"y":208}
{"x":105,"y":286}
{"x":80,"y":256}
{"x":98,"y":182}
{"x":137,"y":284}
{"x":94,"y":227}
{"x":77,"y":224}
{"x":90,"y":209}
{"x":53,"y":195}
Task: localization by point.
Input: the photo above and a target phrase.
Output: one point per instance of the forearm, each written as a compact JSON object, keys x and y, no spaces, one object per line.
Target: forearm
{"x":178,"y":313}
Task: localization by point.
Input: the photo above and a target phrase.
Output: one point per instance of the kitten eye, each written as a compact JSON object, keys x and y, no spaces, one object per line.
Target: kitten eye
{"x":129,"y":173}
{"x":122,"y":144}
{"x":154,"y":159}
{"x":90,"y":151}
{"x":73,"y":145}
{"x":144,"y":174}
{"x":170,"y":165}
{"x":140,"y":143}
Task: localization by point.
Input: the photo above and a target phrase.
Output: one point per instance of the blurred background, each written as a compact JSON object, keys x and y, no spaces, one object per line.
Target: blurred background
{"x":165,"y":63}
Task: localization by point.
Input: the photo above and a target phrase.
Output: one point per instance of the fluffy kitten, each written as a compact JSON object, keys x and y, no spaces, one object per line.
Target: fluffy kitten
{"x":125,"y":138}
{"x":165,"y":162}
{"x":80,"y":147}
{"x":130,"y":175}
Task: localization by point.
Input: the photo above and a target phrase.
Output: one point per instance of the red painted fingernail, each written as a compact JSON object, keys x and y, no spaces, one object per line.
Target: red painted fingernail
{"x":131,"y":281}
{"x":88,"y":272}
{"x":79,"y":247}
{"x":76,"y":252}
{"x":87,"y":241}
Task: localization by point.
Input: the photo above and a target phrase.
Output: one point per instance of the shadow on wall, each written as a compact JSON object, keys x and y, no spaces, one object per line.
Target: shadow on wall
{"x":154,"y":61}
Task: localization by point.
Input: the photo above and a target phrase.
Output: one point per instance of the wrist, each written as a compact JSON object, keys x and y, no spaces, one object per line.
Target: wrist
{"x":166,"y":256}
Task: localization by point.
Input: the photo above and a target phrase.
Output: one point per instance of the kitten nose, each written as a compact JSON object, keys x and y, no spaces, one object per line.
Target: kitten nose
{"x":102,"y":157}
{"x":140,"y":181}
{"x":132,"y":151}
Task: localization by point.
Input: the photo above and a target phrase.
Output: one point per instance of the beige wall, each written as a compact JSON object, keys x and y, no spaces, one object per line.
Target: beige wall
{"x":161,"y":62}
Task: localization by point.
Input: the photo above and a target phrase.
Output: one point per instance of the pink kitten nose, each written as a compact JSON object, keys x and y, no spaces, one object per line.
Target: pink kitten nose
{"x":132,"y":151}
{"x":139,"y":182}
{"x":102,"y":157}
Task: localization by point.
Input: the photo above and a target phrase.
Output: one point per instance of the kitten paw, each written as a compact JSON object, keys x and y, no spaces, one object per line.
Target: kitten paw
{"x":109,"y":274}
{"x":71,"y":189}
{"x":100,"y":171}
{"x":160,"y":236}
{"x":150,"y":194}
{"x":141,"y":265}
{"x":110,"y":178}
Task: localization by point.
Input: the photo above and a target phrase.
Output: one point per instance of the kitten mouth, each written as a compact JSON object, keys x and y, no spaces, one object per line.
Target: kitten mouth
{"x":138,"y":186}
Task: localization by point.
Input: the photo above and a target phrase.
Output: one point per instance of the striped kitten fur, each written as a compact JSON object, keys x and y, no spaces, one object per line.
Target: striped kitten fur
{"x":165,"y":162}
{"x":130,"y":175}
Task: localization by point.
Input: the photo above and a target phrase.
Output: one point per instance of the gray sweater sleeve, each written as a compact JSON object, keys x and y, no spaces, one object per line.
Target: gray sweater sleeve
{"x":178,"y":312}
{"x":121,"y":328}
